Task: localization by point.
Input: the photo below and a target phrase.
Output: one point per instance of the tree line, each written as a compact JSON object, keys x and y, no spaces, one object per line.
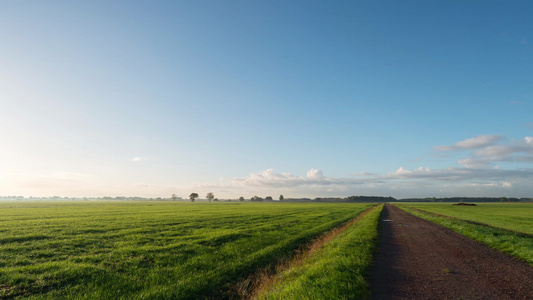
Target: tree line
{"x":211,"y":197}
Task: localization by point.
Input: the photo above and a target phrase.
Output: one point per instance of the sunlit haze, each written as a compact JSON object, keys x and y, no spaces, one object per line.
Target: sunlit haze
{"x":243,"y":98}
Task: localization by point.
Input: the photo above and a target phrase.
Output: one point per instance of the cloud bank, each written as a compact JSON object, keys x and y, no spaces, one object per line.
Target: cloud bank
{"x":477,"y":174}
{"x":472,"y":143}
{"x":269,"y":178}
{"x":486,"y":150}
{"x":487,"y":165}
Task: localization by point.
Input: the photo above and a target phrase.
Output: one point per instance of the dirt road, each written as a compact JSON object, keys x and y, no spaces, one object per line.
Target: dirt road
{"x":418,"y":259}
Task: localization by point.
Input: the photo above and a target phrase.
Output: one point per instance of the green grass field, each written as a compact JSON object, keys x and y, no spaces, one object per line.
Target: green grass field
{"x":345,"y":261}
{"x":149,"y":250}
{"x":512,"y":216}
{"x":507,"y":227}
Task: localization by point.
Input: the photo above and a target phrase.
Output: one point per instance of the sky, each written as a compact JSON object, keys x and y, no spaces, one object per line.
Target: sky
{"x":243,"y":98}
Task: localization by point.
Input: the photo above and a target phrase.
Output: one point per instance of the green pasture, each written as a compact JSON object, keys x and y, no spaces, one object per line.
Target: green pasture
{"x":512,"y":216}
{"x":336,"y":271}
{"x":150,"y":250}
{"x":507,"y":227}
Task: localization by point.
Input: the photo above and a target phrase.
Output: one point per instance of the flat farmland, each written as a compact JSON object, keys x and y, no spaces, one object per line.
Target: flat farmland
{"x":512,"y":216}
{"x":337,"y":270}
{"x":418,"y":259}
{"x":150,"y":250}
{"x":507,"y":227}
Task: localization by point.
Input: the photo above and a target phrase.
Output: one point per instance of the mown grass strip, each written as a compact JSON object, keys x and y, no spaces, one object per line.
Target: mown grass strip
{"x":513,"y":243}
{"x":333,"y":270}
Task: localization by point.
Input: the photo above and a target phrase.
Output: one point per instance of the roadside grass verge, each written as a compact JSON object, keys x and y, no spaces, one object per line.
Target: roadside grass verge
{"x":510,"y":242}
{"x":150,"y":250}
{"x":512,"y":216}
{"x":338,"y":270}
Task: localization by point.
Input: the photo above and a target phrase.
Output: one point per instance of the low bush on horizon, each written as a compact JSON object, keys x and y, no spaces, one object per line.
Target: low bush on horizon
{"x":150,"y":250}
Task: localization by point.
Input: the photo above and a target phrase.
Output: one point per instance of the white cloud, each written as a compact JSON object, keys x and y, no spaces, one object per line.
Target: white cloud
{"x":366,"y":174}
{"x":489,"y":149}
{"x":474,"y":171}
{"x":403,"y":182}
{"x":315,"y":174}
{"x":507,"y":184}
{"x":494,"y":151}
{"x":460,"y":174}
{"x":473,"y":163}
{"x":472,"y":143}
{"x":492,"y":184}
{"x":400,"y":172}
{"x":484,"y":171}
{"x":268,"y":178}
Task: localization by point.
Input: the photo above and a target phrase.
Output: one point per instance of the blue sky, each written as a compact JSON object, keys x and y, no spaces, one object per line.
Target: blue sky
{"x":243,"y":98}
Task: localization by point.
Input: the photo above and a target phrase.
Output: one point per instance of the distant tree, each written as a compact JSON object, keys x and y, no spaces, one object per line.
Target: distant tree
{"x":216,"y":199}
{"x":281,"y":198}
{"x":193,"y":196}
{"x":268,"y":198}
{"x":257,"y":198}
{"x":210,"y":196}
{"x":241,"y":198}
{"x":174,"y":197}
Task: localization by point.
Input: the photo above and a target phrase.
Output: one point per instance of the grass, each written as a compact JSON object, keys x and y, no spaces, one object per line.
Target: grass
{"x":505,"y":227}
{"x":149,"y":250}
{"x":512,"y":216}
{"x":336,"y":271}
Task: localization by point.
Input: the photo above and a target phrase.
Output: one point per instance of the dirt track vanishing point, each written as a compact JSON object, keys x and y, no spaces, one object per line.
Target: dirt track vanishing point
{"x":418,"y":259}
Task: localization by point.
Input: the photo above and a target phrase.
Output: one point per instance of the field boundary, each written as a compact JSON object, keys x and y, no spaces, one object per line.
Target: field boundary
{"x":512,"y":243}
{"x":163,"y":250}
{"x":257,"y":282}
{"x":422,"y":259}
{"x":518,"y":233}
